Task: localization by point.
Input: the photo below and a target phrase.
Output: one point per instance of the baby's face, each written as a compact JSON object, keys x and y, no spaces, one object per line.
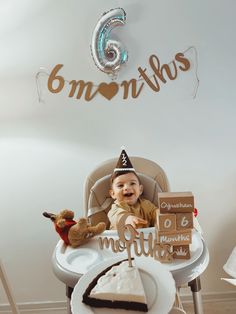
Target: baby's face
{"x":126,"y":188}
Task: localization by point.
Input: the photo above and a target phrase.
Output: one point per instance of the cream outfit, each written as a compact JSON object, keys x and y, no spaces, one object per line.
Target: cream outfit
{"x":143,"y":209}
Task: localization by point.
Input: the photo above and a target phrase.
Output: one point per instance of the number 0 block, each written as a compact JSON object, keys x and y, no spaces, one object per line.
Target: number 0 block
{"x":184,"y":221}
{"x":166,"y":222}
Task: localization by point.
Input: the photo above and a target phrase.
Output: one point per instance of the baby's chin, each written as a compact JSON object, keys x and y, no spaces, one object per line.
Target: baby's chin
{"x":131,"y":202}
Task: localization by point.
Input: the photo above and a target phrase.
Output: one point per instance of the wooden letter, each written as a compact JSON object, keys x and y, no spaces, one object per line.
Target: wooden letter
{"x":128,"y":241}
{"x":116,"y":245}
{"x":163,"y":253}
{"x":154,"y":87}
{"x":133,"y":84}
{"x":155,"y":65}
{"x":82,"y":85}
{"x":53,"y":77}
{"x":186,"y":64}
{"x":166,"y":67}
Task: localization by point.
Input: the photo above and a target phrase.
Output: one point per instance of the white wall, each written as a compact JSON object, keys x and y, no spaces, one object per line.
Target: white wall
{"x":47,"y":149}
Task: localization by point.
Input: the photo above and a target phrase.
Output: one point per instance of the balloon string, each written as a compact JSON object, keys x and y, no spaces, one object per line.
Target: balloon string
{"x":43,"y":71}
{"x":39,"y":90}
{"x":196,"y":71}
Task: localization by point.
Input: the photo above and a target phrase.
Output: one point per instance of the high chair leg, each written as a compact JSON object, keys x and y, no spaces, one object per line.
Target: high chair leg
{"x":69,"y":291}
{"x":7,"y":288}
{"x":68,"y":307}
{"x":195,"y":286}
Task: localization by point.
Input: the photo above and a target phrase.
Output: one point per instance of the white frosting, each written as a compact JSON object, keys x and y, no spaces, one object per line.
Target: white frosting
{"x":120,"y":283}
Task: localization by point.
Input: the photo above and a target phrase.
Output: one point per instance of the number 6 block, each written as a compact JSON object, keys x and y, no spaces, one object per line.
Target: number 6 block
{"x":184,"y":221}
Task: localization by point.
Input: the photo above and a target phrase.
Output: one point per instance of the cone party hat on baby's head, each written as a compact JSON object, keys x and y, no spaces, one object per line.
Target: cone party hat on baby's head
{"x":124,"y":163}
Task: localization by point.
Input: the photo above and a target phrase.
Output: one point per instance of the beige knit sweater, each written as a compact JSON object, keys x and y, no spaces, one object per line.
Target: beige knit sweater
{"x":143,"y":209}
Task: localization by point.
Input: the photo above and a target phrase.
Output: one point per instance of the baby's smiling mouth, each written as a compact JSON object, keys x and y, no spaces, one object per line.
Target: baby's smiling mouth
{"x":128,"y":194}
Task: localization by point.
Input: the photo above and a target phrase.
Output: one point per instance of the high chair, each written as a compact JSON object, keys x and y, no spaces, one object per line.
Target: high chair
{"x":97,"y":202}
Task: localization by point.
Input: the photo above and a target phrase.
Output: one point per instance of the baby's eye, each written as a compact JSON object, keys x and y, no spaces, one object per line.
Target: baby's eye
{"x":133,"y":183}
{"x":120,"y":186}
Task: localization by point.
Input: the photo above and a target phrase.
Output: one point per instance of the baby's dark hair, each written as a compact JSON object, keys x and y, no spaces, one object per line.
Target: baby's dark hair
{"x":116,"y":174}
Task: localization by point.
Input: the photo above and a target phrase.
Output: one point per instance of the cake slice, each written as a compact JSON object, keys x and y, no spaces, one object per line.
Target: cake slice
{"x":118,"y":286}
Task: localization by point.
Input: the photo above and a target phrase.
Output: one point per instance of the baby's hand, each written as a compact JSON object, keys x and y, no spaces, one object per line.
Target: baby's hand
{"x":136,"y":222}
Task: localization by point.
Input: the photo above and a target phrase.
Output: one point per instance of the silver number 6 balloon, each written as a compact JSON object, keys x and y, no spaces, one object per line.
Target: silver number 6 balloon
{"x":108,"y":54}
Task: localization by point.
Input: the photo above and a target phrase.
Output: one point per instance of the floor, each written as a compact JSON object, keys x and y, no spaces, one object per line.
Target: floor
{"x":214,"y":308}
{"x":209,"y":308}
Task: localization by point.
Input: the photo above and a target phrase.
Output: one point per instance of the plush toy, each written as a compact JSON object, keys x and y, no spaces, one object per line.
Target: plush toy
{"x":74,"y":233}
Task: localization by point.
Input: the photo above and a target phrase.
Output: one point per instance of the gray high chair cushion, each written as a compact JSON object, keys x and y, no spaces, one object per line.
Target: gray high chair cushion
{"x":99,"y":202}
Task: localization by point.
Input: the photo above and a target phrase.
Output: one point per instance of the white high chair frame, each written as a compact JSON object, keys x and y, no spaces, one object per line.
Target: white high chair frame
{"x":154,"y":171}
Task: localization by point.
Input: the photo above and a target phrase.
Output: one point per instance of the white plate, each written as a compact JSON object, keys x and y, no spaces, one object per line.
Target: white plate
{"x":158,"y":283}
{"x":230,"y":280}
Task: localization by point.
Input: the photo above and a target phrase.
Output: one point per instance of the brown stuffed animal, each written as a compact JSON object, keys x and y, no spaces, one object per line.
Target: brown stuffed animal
{"x":71,"y":232}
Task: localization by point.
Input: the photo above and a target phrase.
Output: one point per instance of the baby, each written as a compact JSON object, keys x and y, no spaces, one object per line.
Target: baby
{"x":126,"y":190}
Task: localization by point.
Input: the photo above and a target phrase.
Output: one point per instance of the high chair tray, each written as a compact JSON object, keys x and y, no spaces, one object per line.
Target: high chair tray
{"x":82,"y":259}
{"x":158,"y":282}
{"x":113,"y":233}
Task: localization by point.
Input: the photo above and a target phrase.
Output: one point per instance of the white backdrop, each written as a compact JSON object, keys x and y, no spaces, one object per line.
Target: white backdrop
{"x":47,"y":148}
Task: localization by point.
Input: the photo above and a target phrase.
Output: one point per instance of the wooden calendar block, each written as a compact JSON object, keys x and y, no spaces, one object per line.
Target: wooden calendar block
{"x":184,"y":221}
{"x":176,"y":202}
{"x":178,"y":237}
{"x":181,"y":252}
{"x":166,"y":222}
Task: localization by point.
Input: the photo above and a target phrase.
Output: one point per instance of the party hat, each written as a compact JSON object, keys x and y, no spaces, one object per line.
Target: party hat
{"x":124,"y":163}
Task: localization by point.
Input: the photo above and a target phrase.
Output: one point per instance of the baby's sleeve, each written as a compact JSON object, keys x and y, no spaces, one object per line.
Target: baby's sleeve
{"x":153,"y":213}
{"x":150,"y":212}
{"x":117,"y":215}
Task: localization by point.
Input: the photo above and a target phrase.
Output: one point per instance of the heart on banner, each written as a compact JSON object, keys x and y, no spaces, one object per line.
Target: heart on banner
{"x":108,"y":90}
